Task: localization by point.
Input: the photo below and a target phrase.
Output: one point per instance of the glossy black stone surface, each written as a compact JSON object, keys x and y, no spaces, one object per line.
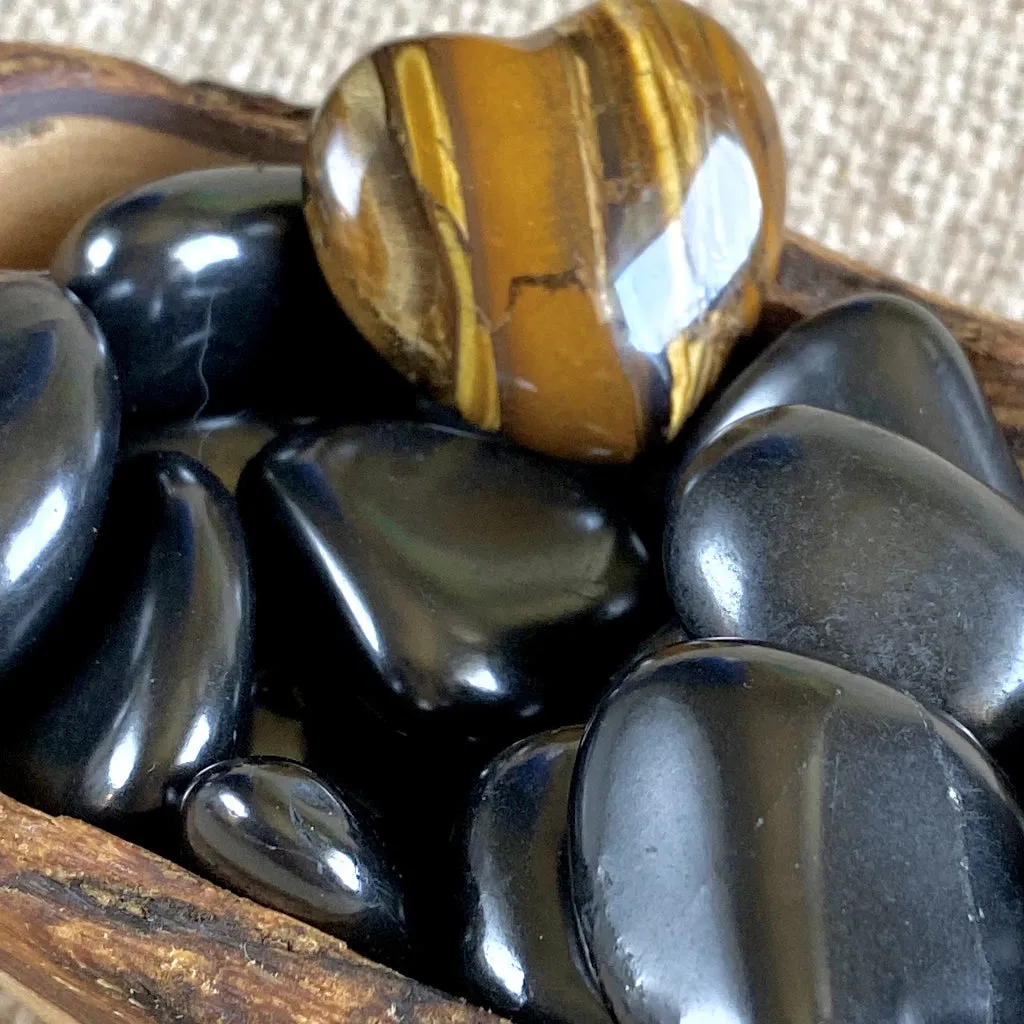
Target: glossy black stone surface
{"x":270,"y":829}
{"x":447,"y":579}
{"x":758,"y":837}
{"x":520,"y":954}
{"x":59,"y":416}
{"x":836,"y":539}
{"x":147,"y":680}
{"x":884,"y":359}
{"x":223,"y":444}
{"x":207,"y":289}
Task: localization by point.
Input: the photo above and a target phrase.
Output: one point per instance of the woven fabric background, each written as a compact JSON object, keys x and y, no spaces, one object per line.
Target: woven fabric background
{"x":903,"y":119}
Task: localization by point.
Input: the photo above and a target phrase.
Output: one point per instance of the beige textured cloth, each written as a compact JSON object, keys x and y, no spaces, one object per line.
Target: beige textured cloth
{"x":903,"y":119}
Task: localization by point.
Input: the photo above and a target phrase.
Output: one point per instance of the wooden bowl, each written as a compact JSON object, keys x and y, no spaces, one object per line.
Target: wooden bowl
{"x":93,"y":929}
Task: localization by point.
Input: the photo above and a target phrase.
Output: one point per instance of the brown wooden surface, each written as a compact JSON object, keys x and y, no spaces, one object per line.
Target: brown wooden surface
{"x":100,"y":930}
{"x":93,"y":929}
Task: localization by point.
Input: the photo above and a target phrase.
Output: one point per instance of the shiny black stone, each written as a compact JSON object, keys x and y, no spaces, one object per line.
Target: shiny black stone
{"x":270,"y":829}
{"x":444,"y":578}
{"x":836,"y":539}
{"x":759,"y":837}
{"x":884,"y":359}
{"x":147,"y":679}
{"x":520,"y":953}
{"x":223,"y":444}
{"x":208,"y":291}
{"x":59,"y":416}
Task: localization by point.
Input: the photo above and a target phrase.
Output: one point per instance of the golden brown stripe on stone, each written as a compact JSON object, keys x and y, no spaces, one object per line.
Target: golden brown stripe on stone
{"x":694,"y":364}
{"x":549,"y":334}
{"x":430,"y":152}
{"x":376,"y":246}
{"x":596,"y":279}
{"x":684,"y":98}
{"x":652,"y":109}
{"x":577,"y":79}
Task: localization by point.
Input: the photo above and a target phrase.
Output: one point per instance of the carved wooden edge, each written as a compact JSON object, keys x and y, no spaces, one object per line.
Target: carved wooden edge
{"x":93,"y":929}
{"x":39,"y":82}
{"x":99,"y":930}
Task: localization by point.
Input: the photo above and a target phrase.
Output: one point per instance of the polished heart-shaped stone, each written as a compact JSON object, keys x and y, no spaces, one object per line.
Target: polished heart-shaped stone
{"x":208,"y":292}
{"x":756,"y":836}
{"x":519,"y":952}
{"x":833,"y":538}
{"x":59,"y":418}
{"x":560,"y":236}
{"x":147,"y":680}
{"x":450,"y":580}
{"x":272,"y":830}
{"x":884,"y":359}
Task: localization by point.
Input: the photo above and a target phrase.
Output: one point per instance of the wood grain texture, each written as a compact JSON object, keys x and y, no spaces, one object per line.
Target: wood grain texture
{"x":93,"y":929}
{"x":101,"y":930}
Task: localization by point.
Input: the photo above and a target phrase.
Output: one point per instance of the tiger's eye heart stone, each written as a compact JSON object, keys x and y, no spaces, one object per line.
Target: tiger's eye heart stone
{"x":561,"y":235}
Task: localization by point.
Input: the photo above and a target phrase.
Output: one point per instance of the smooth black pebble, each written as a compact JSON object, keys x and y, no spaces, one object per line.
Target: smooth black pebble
{"x":883,"y":359}
{"x":208,"y":291}
{"x":147,"y":681}
{"x":519,"y":952}
{"x":272,"y":830}
{"x":448,"y":579}
{"x":758,"y":837}
{"x":59,"y":419}
{"x":833,"y":538}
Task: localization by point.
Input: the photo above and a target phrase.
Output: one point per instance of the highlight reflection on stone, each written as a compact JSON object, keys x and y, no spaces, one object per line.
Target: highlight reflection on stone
{"x":562,"y":235}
